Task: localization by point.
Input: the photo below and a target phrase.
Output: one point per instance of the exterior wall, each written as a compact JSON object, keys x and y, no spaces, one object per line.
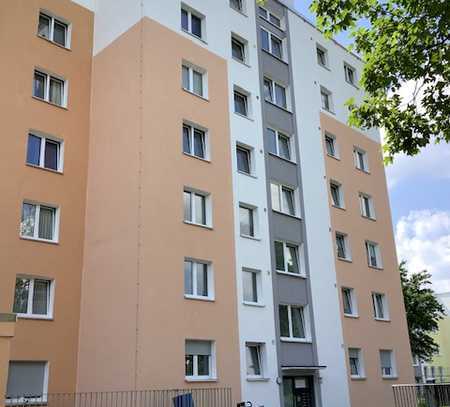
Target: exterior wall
{"x":7,"y":330}
{"x":373,"y":391}
{"x":134,"y":252}
{"x":322,"y":275}
{"x":55,"y":341}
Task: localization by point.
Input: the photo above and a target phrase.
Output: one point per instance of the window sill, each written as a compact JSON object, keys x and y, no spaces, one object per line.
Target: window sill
{"x":274,"y":56}
{"x":53,"y":42}
{"x":198,"y":298}
{"x":389,"y":377}
{"x":342,"y":208}
{"x":285,"y":109}
{"x":45,"y":169}
{"x":330,"y":112}
{"x":282,"y":158}
{"x":238,"y":11}
{"x":243,"y":116}
{"x":352,"y":84}
{"x":369,"y":218}
{"x":49,"y":103}
{"x":334,"y":157}
{"x":205,"y":160}
{"x":200,"y":379}
{"x":257,"y":239}
{"x":198,"y":225}
{"x":194,"y":36}
{"x":247,"y":174}
{"x":347,"y":260}
{"x":376,"y":268}
{"x":241,"y":62}
{"x":257,"y":379}
{"x":36,"y":317}
{"x":287,"y":214}
{"x":295,"y":340}
{"x":285,"y":273}
{"x":195,"y":94}
{"x":352,"y":316}
{"x":367,"y":172}
{"x":357,"y":378}
{"x":324,"y":66}
{"x":253,"y":304}
{"x":36,"y":239}
{"x":382,"y":319}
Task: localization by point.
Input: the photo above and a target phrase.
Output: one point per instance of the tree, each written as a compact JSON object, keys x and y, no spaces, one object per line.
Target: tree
{"x":400,"y":41}
{"x":423,"y":312}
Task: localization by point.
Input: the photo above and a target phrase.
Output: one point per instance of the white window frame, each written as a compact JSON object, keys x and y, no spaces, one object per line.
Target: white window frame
{"x":362,"y":197}
{"x":259,"y":287}
{"x":279,"y":191}
{"x":212,"y":364}
{"x":242,"y":9}
{"x":357,"y":150}
{"x":329,"y":94}
{"x":36,"y":222}
{"x":261,"y":359}
{"x":210,"y":273}
{"x":274,"y":100}
{"x":208,"y":207}
{"x":44,"y":138}
{"x":248,"y":105}
{"x":393,"y":367}
{"x":348,"y":253}
{"x":32,"y":400}
{"x":268,"y":15}
{"x":48,"y":77}
{"x":353,"y":302}
{"x":335,"y":145}
{"x":278,"y":135}
{"x":201,"y":71}
{"x":59,"y":20}
{"x":205,"y":132}
{"x":362,"y":372}
{"x":325,"y":53}
{"x":270,"y":50}
{"x":348,"y":67}
{"x":376,"y":246}
{"x":254,"y":214}
{"x":244,"y":44}
{"x":300,"y":258}
{"x":51,"y":300}
{"x":250,"y":153}
{"x":385,"y":305}
{"x":190,"y":12}
{"x":340,"y":190}
{"x":306,"y":320}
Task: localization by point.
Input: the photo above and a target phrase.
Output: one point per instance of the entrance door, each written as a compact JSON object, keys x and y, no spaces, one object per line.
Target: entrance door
{"x":298,"y":391}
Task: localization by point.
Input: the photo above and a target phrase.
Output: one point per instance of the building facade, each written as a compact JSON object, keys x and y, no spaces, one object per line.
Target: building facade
{"x":191,"y":208}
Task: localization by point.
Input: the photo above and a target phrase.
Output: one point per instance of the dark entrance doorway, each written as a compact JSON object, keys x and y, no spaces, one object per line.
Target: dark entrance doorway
{"x":298,"y":391}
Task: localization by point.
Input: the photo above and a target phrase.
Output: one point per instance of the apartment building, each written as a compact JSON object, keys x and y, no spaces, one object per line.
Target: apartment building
{"x":191,"y":208}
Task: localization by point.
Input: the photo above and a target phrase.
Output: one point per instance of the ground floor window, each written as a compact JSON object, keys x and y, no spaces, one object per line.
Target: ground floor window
{"x":27,"y":381}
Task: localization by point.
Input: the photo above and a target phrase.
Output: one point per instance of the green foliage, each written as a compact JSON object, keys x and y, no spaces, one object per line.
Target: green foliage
{"x":401,"y":41}
{"x":423,"y":312}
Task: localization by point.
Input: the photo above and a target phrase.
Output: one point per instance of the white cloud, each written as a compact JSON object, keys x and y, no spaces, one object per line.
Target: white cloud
{"x":423,"y":239}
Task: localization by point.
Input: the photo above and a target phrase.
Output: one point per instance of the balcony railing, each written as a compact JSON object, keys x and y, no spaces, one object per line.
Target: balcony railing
{"x":422,"y":395}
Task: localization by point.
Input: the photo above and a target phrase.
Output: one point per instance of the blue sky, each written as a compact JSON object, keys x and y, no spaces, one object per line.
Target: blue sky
{"x":419,"y":191}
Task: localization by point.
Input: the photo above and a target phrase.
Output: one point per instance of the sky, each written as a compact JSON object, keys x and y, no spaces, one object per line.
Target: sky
{"x":419,"y":193}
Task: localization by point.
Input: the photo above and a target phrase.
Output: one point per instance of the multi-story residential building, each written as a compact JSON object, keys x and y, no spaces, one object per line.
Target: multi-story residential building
{"x":191,"y":208}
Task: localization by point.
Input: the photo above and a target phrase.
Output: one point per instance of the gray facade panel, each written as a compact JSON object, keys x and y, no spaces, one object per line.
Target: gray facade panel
{"x":287,"y":228}
{"x":293,"y":289}
{"x":281,"y":171}
{"x":278,"y":118}
{"x":296,"y":354}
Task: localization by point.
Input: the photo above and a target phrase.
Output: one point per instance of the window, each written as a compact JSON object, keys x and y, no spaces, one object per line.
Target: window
{"x":271,"y":43}
{"x":361,"y":161}
{"x":237,"y":5}
{"x":238,"y":47}
{"x":336,"y":194}
{"x":350,"y":74}
{"x":196,"y":208}
{"x":44,"y":152}
{"x":343,"y":251}
{"x":251,"y":286}
{"x":275,"y":93}
{"x":272,"y":18}
{"x":387,"y":363}
{"x":247,"y":221}
{"x":53,"y":29}
{"x":283,"y":199}
{"x":27,"y":381}
{"x":279,"y":144}
{"x":367,"y":208}
{"x":198,"y":281}
{"x":380,"y":309}
{"x":373,"y":255}
{"x":33,"y":297}
{"x":192,"y":22}
{"x":349,"y":301}
{"x":39,"y":222}
{"x":322,"y":56}
{"x":293,"y":324}
{"x":244,"y":163}
{"x":287,"y":258}
{"x":356,"y":363}
{"x":241,"y":103}
{"x":327,"y":101}
{"x":253,"y":354}
{"x":330,"y":145}
{"x":194,"y":80}
{"x":49,"y":88}
{"x":194,"y":141}
{"x":199,"y":363}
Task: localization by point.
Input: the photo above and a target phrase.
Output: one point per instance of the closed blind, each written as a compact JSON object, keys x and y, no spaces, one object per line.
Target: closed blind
{"x":26,"y":379}
{"x":198,"y":348}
